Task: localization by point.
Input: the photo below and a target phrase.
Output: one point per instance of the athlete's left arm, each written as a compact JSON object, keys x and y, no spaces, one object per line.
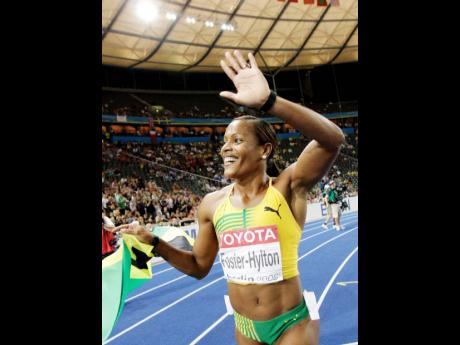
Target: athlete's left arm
{"x":317,"y":157}
{"x":253,"y":91}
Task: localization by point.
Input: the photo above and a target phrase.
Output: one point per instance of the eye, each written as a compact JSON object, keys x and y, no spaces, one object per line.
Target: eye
{"x":238,"y":141}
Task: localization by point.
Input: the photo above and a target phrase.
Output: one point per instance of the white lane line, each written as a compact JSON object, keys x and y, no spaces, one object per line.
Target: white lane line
{"x":324,"y":243}
{"x":323,"y":232}
{"x":202,"y":335}
{"x":162,"y":310}
{"x":168,"y":269}
{"x":195,"y":341}
{"x":319,"y":233}
{"x":356,"y":343}
{"x":347,"y":283}
{"x":334,"y":276}
{"x":154,"y":288}
{"x":318,"y":221}
{"x":161,"y":285}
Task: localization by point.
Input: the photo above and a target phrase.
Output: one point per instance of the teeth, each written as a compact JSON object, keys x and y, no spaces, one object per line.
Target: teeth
{"x":229,"y":159}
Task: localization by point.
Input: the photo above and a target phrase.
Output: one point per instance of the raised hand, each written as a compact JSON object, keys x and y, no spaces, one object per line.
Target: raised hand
{"x":251,"y":85}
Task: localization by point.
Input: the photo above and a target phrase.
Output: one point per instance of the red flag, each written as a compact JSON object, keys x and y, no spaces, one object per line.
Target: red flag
{"x":306,"y":2}
{"x":322,"y":2}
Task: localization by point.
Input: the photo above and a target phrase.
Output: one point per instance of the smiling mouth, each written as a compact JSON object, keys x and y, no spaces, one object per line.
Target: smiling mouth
{"x":229,"y":161}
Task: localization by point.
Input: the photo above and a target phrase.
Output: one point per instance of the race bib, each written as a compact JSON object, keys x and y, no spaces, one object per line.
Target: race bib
{"x":251,"y":256}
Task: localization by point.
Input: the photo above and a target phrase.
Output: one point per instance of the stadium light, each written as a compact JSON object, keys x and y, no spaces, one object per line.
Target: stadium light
{"x":190,"y":20}
{"x":227,"y":27}
{"x":209,"y":24}
{"x":171,"y":16}
{"x":146,"y":11}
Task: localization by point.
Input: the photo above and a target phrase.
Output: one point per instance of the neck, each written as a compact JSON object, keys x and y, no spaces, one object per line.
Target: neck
{"x":251,"y":186}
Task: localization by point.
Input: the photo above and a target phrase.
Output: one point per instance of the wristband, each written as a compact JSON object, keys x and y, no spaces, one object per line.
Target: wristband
{"x":154,"y":243}
{"x":270,"y":101}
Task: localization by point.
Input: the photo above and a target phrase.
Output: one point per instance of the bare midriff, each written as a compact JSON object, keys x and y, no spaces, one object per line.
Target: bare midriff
{"x":264,"y":302}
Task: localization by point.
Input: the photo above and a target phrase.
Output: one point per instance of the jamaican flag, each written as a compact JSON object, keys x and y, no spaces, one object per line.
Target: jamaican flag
{"x":122,"y":272}
{"x":128,"y":268}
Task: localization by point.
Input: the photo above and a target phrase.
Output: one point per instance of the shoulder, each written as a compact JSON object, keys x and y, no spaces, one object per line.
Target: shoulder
{"x":217,"y":195}
{"x":212,"y":200}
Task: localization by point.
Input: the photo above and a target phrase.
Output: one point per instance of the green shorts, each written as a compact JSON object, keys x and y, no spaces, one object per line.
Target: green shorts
{"x":270,"y":330}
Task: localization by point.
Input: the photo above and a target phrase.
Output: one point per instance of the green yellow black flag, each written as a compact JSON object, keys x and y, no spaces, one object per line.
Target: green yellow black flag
{"x":122,"y":272}
{"x":128,"y":268}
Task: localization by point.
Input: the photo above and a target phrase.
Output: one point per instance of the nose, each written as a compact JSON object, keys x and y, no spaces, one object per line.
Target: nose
{"x":225,"y":148}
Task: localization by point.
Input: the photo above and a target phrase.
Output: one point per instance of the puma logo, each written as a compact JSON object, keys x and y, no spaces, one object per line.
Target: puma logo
{"x":266,"y":208}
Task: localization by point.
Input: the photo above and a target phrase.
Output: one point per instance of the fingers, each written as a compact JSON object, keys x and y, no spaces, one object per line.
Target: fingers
{"x":228,"y":71}
{"x":232,"y":66}
{"x":134,"y":225}
{"x":118,"y":228}
{"x":129,"y":231}
{"x":239,"y":57}
{"x":232,"y":62}
{"x":229,"y":95}
{"x":252,"y":61}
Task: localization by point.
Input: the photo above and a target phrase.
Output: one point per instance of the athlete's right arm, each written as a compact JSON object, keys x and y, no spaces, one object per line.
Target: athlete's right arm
{"x":199,"y":261}
{"x":196,"y":263}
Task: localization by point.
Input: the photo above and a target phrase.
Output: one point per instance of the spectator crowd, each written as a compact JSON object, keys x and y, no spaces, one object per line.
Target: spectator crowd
{"x":165,"y":183}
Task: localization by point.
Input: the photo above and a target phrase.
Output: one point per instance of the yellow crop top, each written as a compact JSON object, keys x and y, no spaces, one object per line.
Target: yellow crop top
{"x":258,"y":245}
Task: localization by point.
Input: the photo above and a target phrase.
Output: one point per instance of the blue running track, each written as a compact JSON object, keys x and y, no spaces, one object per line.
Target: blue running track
{"x":174,"y":309}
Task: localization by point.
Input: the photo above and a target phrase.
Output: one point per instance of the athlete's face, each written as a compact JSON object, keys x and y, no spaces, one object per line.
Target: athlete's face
{"x":241,"y":152}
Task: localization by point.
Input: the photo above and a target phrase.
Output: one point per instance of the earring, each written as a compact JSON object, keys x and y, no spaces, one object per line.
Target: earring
{"x":263,"y":157}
